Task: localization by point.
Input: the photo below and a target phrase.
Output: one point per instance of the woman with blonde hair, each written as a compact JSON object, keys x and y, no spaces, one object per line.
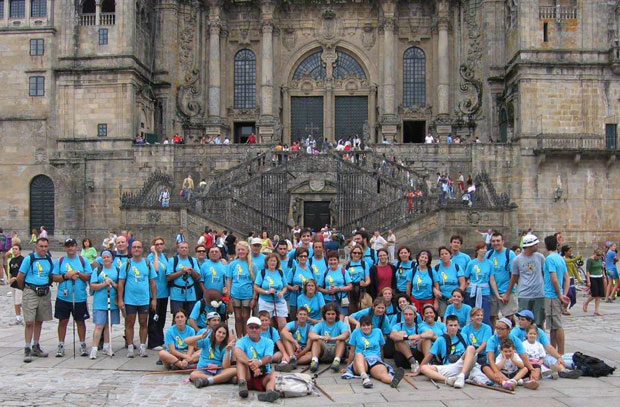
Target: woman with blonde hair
{"x":240,"y":275}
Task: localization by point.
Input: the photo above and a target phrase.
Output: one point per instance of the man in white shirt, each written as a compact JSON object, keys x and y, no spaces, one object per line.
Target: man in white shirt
{"x":377,"y":241}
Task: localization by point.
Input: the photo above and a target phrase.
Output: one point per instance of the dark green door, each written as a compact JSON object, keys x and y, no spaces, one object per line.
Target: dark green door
{"x":351,"y":113}
{"x":306,"y":117}
{"x":316,"y":214}
{"x":42,"y":203}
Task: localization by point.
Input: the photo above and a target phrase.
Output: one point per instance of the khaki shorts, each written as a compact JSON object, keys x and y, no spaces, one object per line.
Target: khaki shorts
{"x":240,"y":303}
{"x":553,"y":313}
{"x":17,"y":296}
{"x":510,"y":308}
{"x":329,"y":353}
{"x":35,"y":308}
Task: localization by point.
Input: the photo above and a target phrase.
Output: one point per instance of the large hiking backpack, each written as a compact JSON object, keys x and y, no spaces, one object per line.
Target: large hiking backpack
{"x":294,"y":384}
{"x":591,"y":366}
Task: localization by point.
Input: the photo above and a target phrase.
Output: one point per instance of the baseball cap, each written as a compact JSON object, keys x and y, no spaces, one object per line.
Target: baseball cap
{"x":530,"y":240}
{"x":507,"y":322}
{"x":212,"y":315}
{"x":256,"y":240}
{"x":526,"y":313}
{"x":253,"y":320}
{"x":70,"y":242}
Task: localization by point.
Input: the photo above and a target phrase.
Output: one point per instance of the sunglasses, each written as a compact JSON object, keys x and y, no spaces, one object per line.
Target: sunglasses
{"x":201,"y":251}
{"x":303,"y":256}
{"x":159,"y":244}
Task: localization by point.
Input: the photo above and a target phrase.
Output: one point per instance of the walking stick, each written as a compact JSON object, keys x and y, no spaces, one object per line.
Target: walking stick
{"x":73,"y":310}
{"x":324,"y":392}
{"x":408,"y":380}
{"x":110,"y":324}
{"x":484,"y":386}
{"x":435,"y":383}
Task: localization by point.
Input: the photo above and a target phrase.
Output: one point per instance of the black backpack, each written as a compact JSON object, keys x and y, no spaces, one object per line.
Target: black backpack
{"x":507,"y":263}
{"x":591,"y":366}
{"x":448,"y":356}
{"x":175,"y":263}
{"x":456,"y":267}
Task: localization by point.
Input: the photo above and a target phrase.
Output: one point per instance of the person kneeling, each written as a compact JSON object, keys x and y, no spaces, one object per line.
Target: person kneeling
{"x":253,"y":354}
{"x":455,"y":360}
{"x":365,"y":356}
{"x":215,"y":356}
{"x":180,"y":355}
{"x":329,"y":339}
{"x":296,"y":341}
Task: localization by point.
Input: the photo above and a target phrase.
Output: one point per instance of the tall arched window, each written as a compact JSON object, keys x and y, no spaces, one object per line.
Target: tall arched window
{"x":311,"y":66}
{"x":245,"y":79}
{"x":414,"y":78}
{"x":89,"y":7}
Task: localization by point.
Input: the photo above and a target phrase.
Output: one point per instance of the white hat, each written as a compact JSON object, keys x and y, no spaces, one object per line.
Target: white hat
{"x":212,"y":315}
{"x":530,"y":240}
{"x":256,"y":240}
{"x":253,"y":320}
{"x":506,"y":321}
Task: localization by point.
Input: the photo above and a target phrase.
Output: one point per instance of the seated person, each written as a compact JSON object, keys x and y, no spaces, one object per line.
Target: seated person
{"x":202,"y":308}
{"x":431,"y":324}
{"x":406,"y":337}
{"x":462,"y":311}
{"x":477,"y":334}
{"x":511,"y":366}
{"x":365,"y":356}
{"x":267,"y":331}
{"x":329,"y":338}
{"x":312,"y":300}
{"x":296,"y":340}
{"x":253,"y":355}
{"x":215,"y":356}
{"x":178,"y":355}
{"x":456,"y":360}
{"x":377,"y":314}
{"x":402,"y":300}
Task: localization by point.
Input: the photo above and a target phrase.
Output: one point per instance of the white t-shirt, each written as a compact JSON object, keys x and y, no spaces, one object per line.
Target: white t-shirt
{"x":535,"y":351}
{"x":510,"y":366}
{"x":428,"y":139}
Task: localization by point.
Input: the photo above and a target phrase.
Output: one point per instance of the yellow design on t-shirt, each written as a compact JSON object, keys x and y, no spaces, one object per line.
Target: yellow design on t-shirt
{"x":444,"y":276}
{"x":303,"y":279}
{"x":253,"y":352}
{"x":136,"y":273}
{"x":330,"y":280}
{"x":239,"y":271}
{"x":478,"y":271}
{"x":119,"y":263}
{"x":495,"y":262}
{"x":69,"y":267}
{"x":366,"y":343}
{"x":179,"y":341}
{"x":211,"y":354}
{"x":39,"y":269}
{"x":419,"y":281}
{"x":315,"y":269}
{"x":473,"y":339}
{"x":270,"y":282}
{"x":298,"y":336}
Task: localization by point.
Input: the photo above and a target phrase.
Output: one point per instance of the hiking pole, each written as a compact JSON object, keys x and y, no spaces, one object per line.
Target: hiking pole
{"x":435,"y":383}
{"x":484,"y":386}
{"x":317,"y":374}
{"x":73,"y":310}
{"x":275,"y":311}
{"x":408,"y":380}
{"x":324,"y":392}
{"x":110,"y":324}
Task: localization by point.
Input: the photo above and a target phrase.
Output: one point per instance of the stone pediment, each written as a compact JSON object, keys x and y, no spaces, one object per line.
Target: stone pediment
{"x":315,"y":185}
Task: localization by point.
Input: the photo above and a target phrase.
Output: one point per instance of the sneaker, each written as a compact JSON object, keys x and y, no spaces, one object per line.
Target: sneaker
{"x":9,"y":294}
{"x":200,"y":383}
{"x":143,"y":351}
{"x":284,"y":367}
{"x":107,"y":350}
{"x":130,"y":353}
{"x":158,"y":348}
{"x":531,"y":384}
{"x":335,"y":366}
{"x":93,"y":352}
{"x":367,"y":383}
{"x":554,"y":375}
{"x":60,"y":352}
{"x":38,"y":352}
{"x":571,"y":374}
{"x":83,"y":350}
{"x":459,"y":383}
{"x":314,"y":366}
{"x":268,"y":397}
{"x":520,"y":382}
{"x":243,"y":389}
{"x":509,"y":385}
{"x":27,"y":355}
{"x":398,"y":376}
{"x":293,"y":362}
{"x":415,"y":366}
{"x":451,"y":380}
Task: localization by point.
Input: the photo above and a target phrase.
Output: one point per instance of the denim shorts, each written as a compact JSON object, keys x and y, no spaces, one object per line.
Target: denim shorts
{"x":100,"y":317}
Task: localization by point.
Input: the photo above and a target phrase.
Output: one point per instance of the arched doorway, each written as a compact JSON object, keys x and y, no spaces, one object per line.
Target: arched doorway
{"x":42,"y":203}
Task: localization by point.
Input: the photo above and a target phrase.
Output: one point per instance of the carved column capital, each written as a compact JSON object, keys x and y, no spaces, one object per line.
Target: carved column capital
{"x":215,"y":27}
{"x":266,"y":26}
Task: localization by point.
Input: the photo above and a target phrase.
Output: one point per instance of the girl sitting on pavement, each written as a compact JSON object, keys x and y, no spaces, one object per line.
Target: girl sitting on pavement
{"x":215,"y":356}
{"x":179,"y":354}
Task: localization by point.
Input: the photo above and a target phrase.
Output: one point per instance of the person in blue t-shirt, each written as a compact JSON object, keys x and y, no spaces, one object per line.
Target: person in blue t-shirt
{"x":365,"y":356}
{"x":134,"y":296}
{"x":199,"y":318}
{"x":376,"y":313}
{"x":404,"y":270}
{"x":421,"y":286}
{"x":183,"y":275}
{"x":216,"y":349}
{"x":477,"y":334}
{"x":336,"y":284}
{"x":557,"y":284}
{"x":299,"y":274}
{"x":72,"y":272}
{"x":430,"y":324}
{"x":104,"y":285}
{"x":462,"y":311}
{"x":296,"y":339}
{"x":213,"y":271}
{"x":271,"y":287}
{"x":258,"y":258}
{"x":329,"y":338}
{"x":457,"y":359}
{"x":407,"y":336}
{"x":305,"y":243}
{"x":458,"y":257}
{"x":447,"y":275}
{"x":359,"y":271}
{"x":362,"y":239}
{"x":318,"y":262}
{"x":240,"y":276}
{"x":312,"y":300}
{"x":156,"y":324}
{"x":480,"y":282}
{"x":178,"y":353}
{"x":253,"y":354}
{"x":280,"y":354}
{"x":501,"y":258}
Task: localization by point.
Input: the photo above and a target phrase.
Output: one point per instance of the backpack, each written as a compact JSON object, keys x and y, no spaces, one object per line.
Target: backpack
{"x":311,"y":258}
{"x":591,"y":366}
{"x":448,"y":352}
{"x":6,"y":242}
{"x":174,"y":267}
{"x":128,"y":266}
{"x":372,"y":255}
{"x":362,"y":263}
{"x":429,"y":271}
{"x":294,"y":384}
{"x":264,"y":271}
{"x":507,"y":263}
{"x":456,"y":267}
{"x":46,"y":258}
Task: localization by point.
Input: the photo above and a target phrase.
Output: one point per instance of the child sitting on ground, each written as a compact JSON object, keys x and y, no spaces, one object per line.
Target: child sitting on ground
{"x":511,"y":366}
{"x":536,"y":353}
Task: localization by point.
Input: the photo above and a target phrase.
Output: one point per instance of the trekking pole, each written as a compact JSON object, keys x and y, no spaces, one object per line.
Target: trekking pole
{"x":314,"y":376}
{"x":73,"y":310}
{"x":110,"y":323}
{"x":275,"y":311}
{"x":435,"y":383}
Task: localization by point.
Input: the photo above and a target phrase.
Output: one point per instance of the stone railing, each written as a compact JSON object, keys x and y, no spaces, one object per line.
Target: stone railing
{"x":88,"y":19}
{"x":107,"y":19}
{"x":560,"y":13}
{"x":573,"y":142}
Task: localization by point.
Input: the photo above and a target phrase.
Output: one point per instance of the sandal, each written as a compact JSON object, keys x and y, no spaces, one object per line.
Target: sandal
{"x":585,"y":308}
{"x":598,"y":314}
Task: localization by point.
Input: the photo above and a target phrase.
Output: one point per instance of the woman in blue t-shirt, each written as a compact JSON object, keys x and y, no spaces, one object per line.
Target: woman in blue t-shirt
{"x":404,"y":270}
{"x":359,"y":270}
{"x":421,"y":285}
{"x":215,"y":356}
{"x":312,"y":300}
{"x":336,"y":283}
{"x":448,"y":276}
{"x":481,"y":280}
{"x":457,"y":308}
{"x":240,"y":278}
{"x":104,"y":285}
{"x":179,"y":354}
{"x":299,"y":274}
{"x":271,"y":286}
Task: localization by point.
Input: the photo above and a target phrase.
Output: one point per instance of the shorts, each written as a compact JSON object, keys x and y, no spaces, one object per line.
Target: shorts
{"x":454,"y":369}
{"x":613,"y":273}
{"x":35,"y":308}
{"x":281,"y":308}
{"x":100,"y":317}
{"x":210,"y":372}
{"x":419,"y":304}
{"x":510,"y":375}
{"x":537,"y":306}
{"x":510,"y":308}
{"x":17,"y":296}
{"x":553,"y":313}
{"x":443,"y":304}
{"x":136,"y":309}
{"x":329,"y":353}
{"x":65,"y":309}
{"x":241,"y":303}
{"x":597,"y":287}
{"x":256,"y":383}
{"x":175,"y":305}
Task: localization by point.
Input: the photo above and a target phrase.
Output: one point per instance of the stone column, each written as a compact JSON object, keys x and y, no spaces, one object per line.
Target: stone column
{"x":6,"y":12}
{"x":443,"y":70}
{"x":266,"y":122}
{"x":216,"y":124}
{"x":389,"y":119}
{"x":98,"y":12}
{"x":27,"y":11}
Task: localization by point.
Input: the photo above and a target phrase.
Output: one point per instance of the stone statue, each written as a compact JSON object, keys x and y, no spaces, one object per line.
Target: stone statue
{"x":333,"y":212}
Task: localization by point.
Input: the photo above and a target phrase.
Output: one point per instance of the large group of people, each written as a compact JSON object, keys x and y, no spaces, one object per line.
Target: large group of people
{"x":480,"y":319}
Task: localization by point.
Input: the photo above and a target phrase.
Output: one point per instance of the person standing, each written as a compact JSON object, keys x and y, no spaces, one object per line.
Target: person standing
{"x":180,"y":237}
{"x":88,"y":251}
{"x":557,"y":284}
{"x":596,"y":280}
{"x":35,"y":279}
{"x":14,"y":265}
{"x":188,"y":188}
{"x":502,"y":259}
{"x":183,"y":272}
{"x":157,"y":318}
{"x":611,"y":265}
{"x":104,"y":285}
{"x":458,"y":257}
{"x":391,"y":244}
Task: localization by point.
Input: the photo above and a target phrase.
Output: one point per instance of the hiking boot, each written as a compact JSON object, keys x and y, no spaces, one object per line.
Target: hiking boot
{"x":83,"y":350}
{"x":335,"y":366}
{"x":130,"y":353}
{"x":459,"y":383}
{"x":269,"y":397}
{"x":60,"y":352}
{"x":293,"y":362}
{"x":570,"y":374}
{"x":200,"y":383}
{"x":398,"y":376}
{"x":143,"y":351}
{"x":243,"y":389}
{"x":38,"y":352}
{"x":314,"y":366}
{"x":367,"y":383}
{"x":27,"y":355}
{"x":93,"y":352}
{"x":284,"y":367}
{"x":531,"y":384}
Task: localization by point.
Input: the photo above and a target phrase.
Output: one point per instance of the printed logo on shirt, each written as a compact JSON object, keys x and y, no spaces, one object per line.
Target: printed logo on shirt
{"x":473,"y":340}
{"x":366,"y":343}
{"x":270,"y":282}
{"x":39,"y":270}
{"x":253,"y":352}
{"x":179,"y":341}
{"x":136,"y":273}
{"x":478,"y":271}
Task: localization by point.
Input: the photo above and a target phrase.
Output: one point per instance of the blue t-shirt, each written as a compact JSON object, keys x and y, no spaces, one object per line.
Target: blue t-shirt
{"x":213,"y":275}
{"x":336,"y":278}
{"x":287,"y":277}
{"x":367,"y":345}
{"x":462,"y":259}
{"x":522,"y":335}
{"x":258,"y":261}
{"x":479,"y":272}
{"x":463,"y":314}
{"x":439,"y":348}
{"x":554,"y":263}
{"x":137,"y":282}
{"x":298,"y":277}
{"x":178,"y":291}
{"x":161,"y":282}
{"x":100,"y":297}
{"x":358,"y":271}
{"x":369,"y":254}
{"x":300,"y":333}
{"x":293,"y":254}
{"x":210,"y":355}
{"x":39,"y":273}
{"x":409,"y":330}
{"x":380,"y":322}
{"x":476,"y":337}
{"x":256,"y":350}
{"x":272,"y":333}
{"x":272,"y":279}
{"x":242,"y":283}
{"x":404,"y":274}
{"x":422,"y":285}
{"x":66,"y":288}
{"x":501,"y":271}
{"x":331,"y":331}
{"x":174,"y":336}
{"x":438,"y":328}
{"x":313,"y":305}
{"x":318,"y":266}
{"x":610,"y":256}
{"x":201,"y":317}
{"x":493,"y":344}
{"x":447,"y":278}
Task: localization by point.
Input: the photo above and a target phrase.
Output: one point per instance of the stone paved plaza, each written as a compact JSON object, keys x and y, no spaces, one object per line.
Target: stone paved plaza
{"x":121,"y":381}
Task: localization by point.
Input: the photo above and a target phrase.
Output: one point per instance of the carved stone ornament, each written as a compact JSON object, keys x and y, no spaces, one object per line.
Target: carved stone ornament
{"x":511,"y":13}
{"x":288,"y":38}
{"x":328,"y":31}
{"x":369,"y":36}
{"x":243,"y":114}
{"x":153,"y":217}
{"x":470,"y":105}
{"x":316,"y":185}
{"x":414,"y":112}
{"x":473,"y":218}
{"x":40,"y":155}
{"x":188,"y":93}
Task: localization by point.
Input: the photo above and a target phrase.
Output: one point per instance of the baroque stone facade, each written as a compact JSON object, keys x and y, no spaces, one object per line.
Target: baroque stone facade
{"x":82,"y":79}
